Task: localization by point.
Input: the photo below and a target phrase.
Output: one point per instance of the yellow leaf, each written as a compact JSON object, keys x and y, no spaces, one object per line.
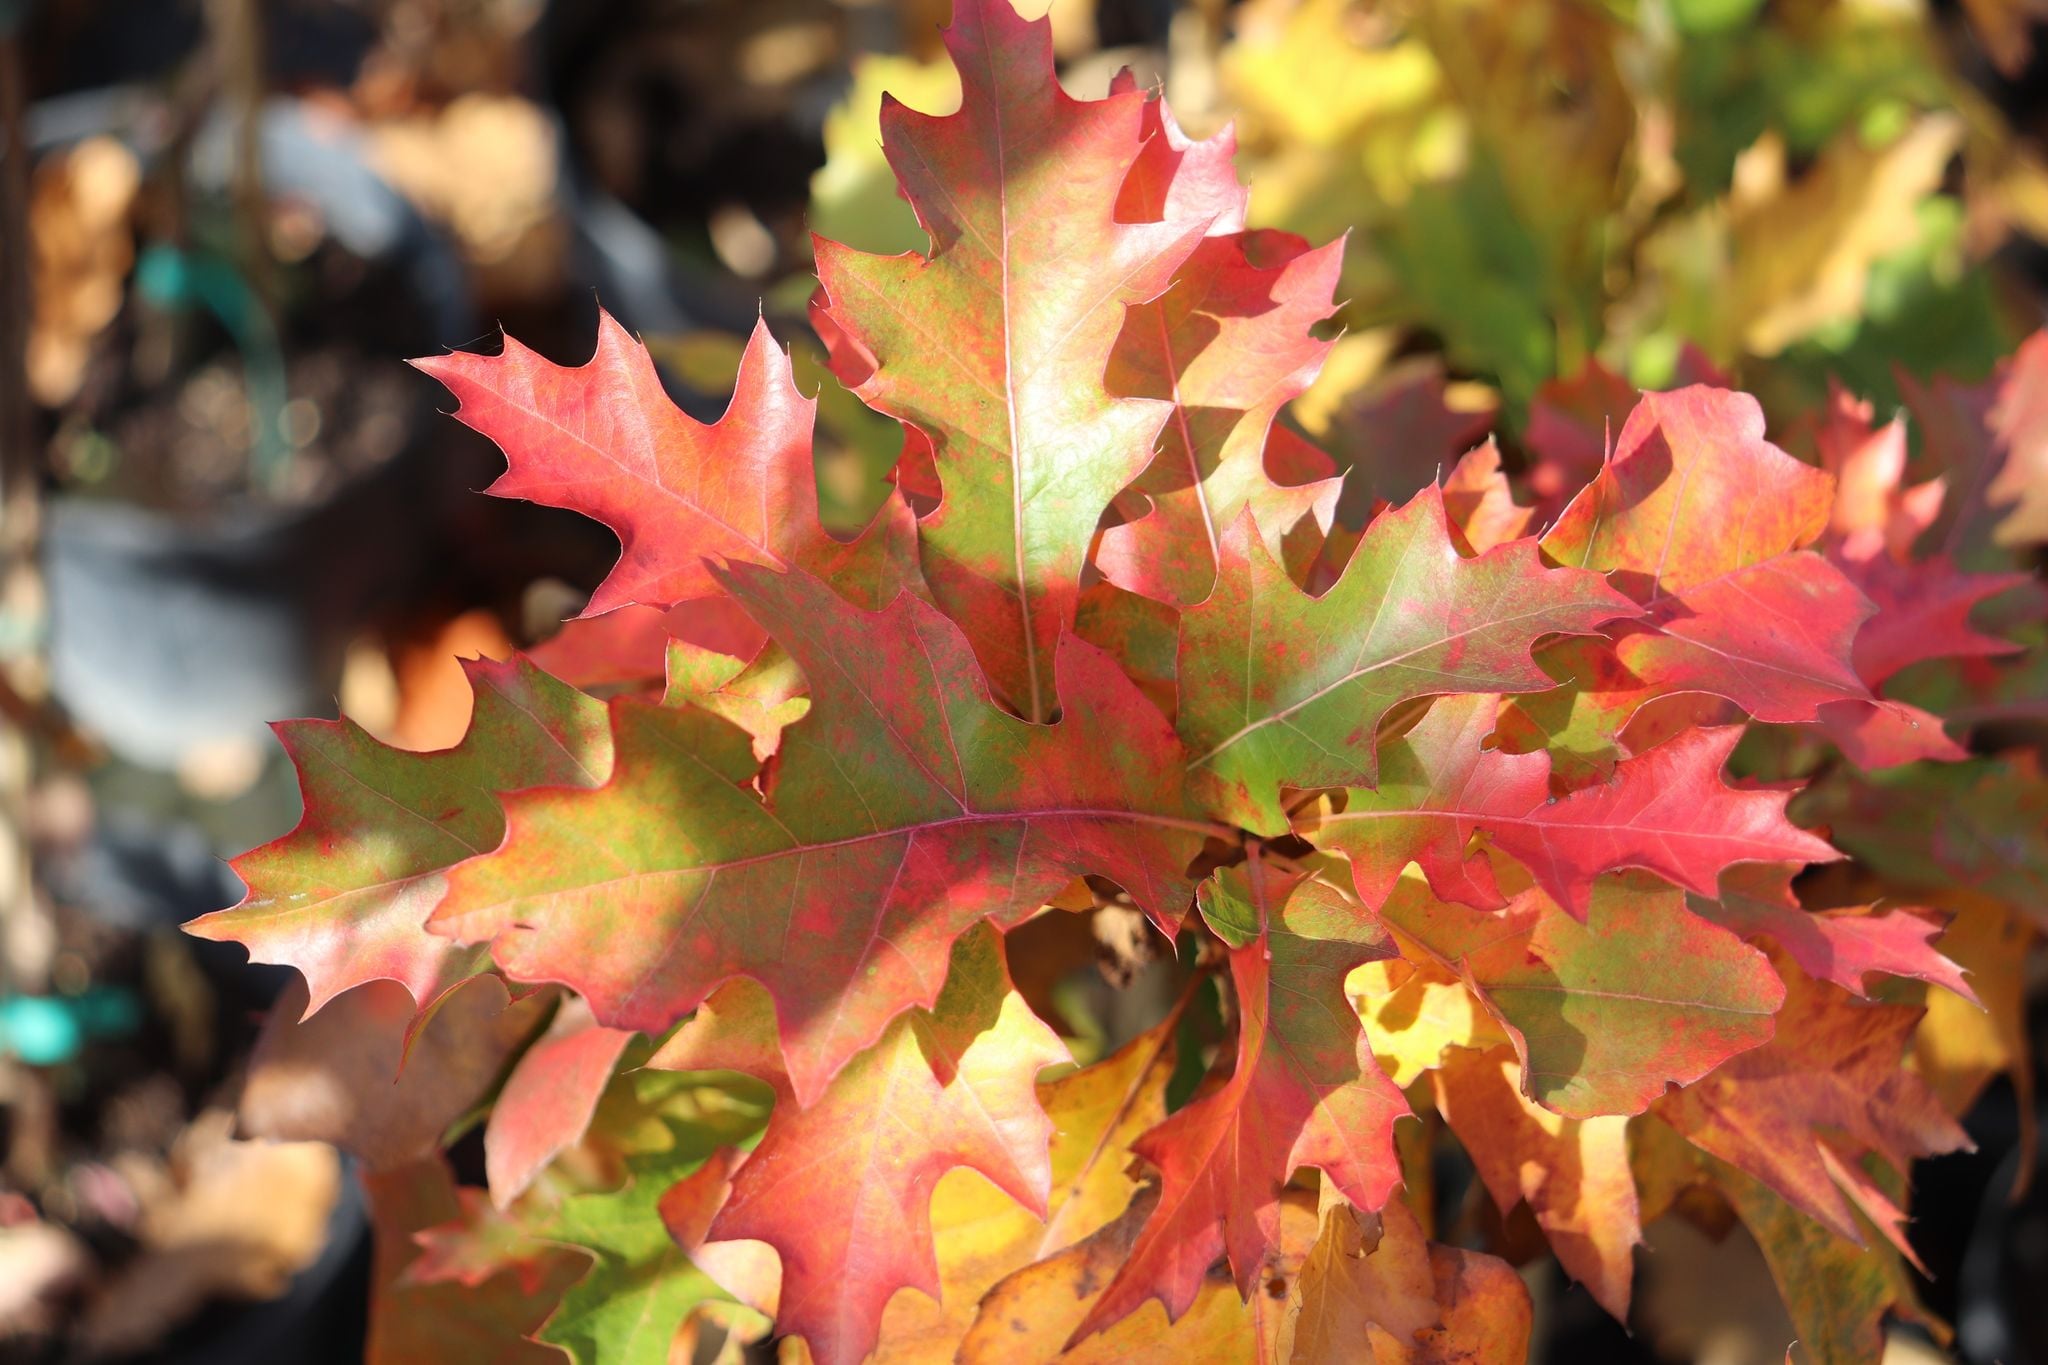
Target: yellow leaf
{"x":1801,"y":253}
{"x":1353,"y":363}
{"x":1029,"y":1316}
{"x":1959,"y":1047}
{"x":1414,"y":1013}
{"x":1374,"y":1291}
{"x":853,"y":195}
{"x":1573,"y":1174}
{"x":1321,"y":71}
{"x":982,"y":1235}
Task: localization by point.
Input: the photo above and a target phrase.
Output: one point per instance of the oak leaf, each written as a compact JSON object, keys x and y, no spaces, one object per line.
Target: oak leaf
{"x":1604,"y":1014}
{"x":548,"y":1098}
{"x":480,"y":1240}
{"x":1177,"y":177}
{"x":632,"y":1302}
{"x":1571,"y":429}
{"x":901,"y":810}
{"x":1704,"y":522}
{"x":367,"y":1076}
{"x":1802,"y":1112}
{"x":1280,"y":689}
{"x":1305,"y":1091}
{"x":619,"y":651}
{"x":1887,"y":734}
{"x":490,"y":1317}
{"x":1028,"y":1315}
{"x":1958,"y":443}
{"x":981,"y":1235}
{"x":631,"y":1293}
{"x":1692,"y":493}
{"x":1668,"y":811}
{"x":346,"y":895}
{"x":994,"y":345}
{"x":1838,"y":1292}
{"x":604,"y":439}
{"x":842,"y":1189}
{"x":1373,"y":1289}
{"x":1400,"y":433}
{"x":1874,"y":510}
{"x":1844,"y":946}
{"x":1227,"y":345}
{"x":1923,"y":612}
{"x":1481,"y":504}
{"x":1572,"y":1173}
{"x":1415,"y":1013}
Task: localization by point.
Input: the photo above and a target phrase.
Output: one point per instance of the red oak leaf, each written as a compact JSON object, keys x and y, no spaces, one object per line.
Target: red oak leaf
{"x":1480,"y":505}
{"x":1228,"y":345}
{"x":1605,"y":1014}
{"x":1840,"y":1295}
{"x":1305,"y":1091}
{"x":1887,"y":734}
{"x":1280,"y":689}
{"x":1177,"y":177}
{"x":2020,"y":487}
{"x":1874,"y":510}
{"x":1703,"y":521}
{"x":1952,"y":420}
{"x":1974,"y":437}
{"x":1776,"y":638}
{"x":620,"y":650}
{"x":627,"y":650}
{"x":482,"y":1241}
{"x":547,"y":1101}
{"x":1571,"y":428}
{"x":1140,"y":633}
{"x":1841,"y":946}
{"x":1667,"y":811}
{"x":902,"y":809}
{"x":368,"y":1075}
{"x":603,"y":439}
{"x":1400,"y":434}
{"x":1574,"y":1175}
{"x":1375,"y":1289}
{"x":842,"y":1189}
{"x":346,"y":895}
{"x":430,"y":1322}
{"x":1923,"y":612}
{"x":1580,"y":724}
{"x":1693,"y":492}
{"x":733,"y":1030}
{"x":1802,"y":1112}
{"x":995,"y":344}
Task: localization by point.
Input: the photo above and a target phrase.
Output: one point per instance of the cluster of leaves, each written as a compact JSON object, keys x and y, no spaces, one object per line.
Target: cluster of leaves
{"x":1791,"y":190}
{"x":1437,"y":813}
{"x":1535,"y":184}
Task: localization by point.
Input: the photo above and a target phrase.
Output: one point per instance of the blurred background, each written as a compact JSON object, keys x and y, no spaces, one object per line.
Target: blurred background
{"x":223,"y":223}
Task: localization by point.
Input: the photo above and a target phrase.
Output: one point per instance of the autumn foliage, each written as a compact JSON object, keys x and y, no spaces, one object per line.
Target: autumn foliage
{"x":1614,"y":844}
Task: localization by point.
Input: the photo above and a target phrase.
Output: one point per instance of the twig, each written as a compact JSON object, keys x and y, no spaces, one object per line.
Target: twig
{"x":237,"y":27}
